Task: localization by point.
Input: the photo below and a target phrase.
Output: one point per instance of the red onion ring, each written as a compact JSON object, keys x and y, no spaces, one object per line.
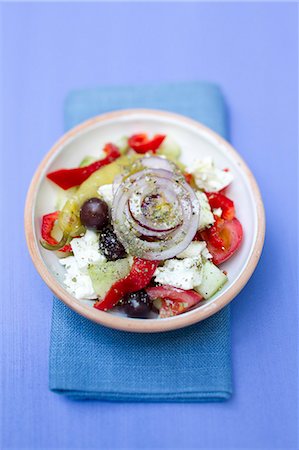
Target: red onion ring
{"x":147,"y":162}
{"x":158,"y":162}
{"x":132,"y":226}
{"x":136,"y":209}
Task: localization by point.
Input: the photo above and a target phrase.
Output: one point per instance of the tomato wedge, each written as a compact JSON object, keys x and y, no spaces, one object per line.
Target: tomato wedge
{"x":174,"y":301}
{"x":141,"y":144}
{"x":218,"y":200}
{"x":223,"y":239}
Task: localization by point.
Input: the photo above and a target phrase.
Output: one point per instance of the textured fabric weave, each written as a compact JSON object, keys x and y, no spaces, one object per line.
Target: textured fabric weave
{"x":88,"y":361}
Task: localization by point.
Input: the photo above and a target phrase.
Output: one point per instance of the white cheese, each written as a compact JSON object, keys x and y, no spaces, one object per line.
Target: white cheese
{"x":208,"y":177}
{"x":217,"y":212}
{"x":183,"y":274}
{"x":195,"y":250}
{"x":77,"y":283}
{"x":206,"y":217}
{"x":106,"y":193}
{"x":86,"y":250}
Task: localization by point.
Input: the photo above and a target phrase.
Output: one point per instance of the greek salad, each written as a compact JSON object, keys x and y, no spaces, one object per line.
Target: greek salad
{"x":139,"y":232}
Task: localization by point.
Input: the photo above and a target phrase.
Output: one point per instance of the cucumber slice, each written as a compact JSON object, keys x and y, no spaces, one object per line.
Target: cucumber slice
{"x":104,"y":275}
{"x":87,"y":160}
{"x":56,"y":232}
{"x":63,"y":196}
{"x":170,"y":149}
{"x":212,"y":280}
{"x":122,"y":145}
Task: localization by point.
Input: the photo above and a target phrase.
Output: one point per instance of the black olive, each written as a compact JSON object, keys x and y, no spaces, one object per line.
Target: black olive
{"x":137,"y":304}
{"x":94,"y":214}
{"x":110,"y":246}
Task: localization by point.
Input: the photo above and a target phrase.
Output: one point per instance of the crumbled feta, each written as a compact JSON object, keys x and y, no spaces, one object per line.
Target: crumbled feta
{"x":206,"y":217}
{"x":86,"y":250}
{"x":106,"y":193}
{"x":205,"y":252}
{"x":194,"y":250}
{"x":76,"y":282}
{"x":217,"y":212}
{"x":208,"y":177}
{"x":183,"y":274}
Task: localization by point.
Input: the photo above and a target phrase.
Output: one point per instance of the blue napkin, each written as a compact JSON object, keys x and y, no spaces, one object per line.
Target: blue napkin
{"x":89,"y":361}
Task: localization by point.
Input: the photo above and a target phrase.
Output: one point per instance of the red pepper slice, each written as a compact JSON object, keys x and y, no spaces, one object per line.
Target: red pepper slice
{"x":67,"y":178}
{"x":174,"y":301}
{"x":141,"y":144}
{"x":138,"y":278}
{"x":48,"y":221}
{"x":218,"y":200}
{"x":110,"y":149}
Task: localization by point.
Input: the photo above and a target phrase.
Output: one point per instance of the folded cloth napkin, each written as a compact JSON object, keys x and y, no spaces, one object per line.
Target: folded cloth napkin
{"x":89,"y":361}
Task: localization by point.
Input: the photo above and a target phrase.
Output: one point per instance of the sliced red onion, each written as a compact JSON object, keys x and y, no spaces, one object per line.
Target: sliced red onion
{"x":151,"y":162}
{"x":145,"y":232}
{"x":157,"y":162}
{"x":142,"y":184}
{"x":136,"y":207}
{"x":145,"y":235}
{"x":116,"y":183}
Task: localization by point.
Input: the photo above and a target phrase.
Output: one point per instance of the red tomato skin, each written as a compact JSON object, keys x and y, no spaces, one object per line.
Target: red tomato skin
{"x":218,"y":200}
{"x":174,"y":301}
{"x":235,"y":232}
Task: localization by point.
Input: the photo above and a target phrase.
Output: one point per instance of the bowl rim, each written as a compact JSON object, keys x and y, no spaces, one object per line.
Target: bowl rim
{"x":124,"y":323}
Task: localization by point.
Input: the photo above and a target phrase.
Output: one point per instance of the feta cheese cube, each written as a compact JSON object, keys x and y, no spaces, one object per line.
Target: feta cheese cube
{"x":208,"y":177}
{"x":86,"y":250}
{"x":195,"y":250}
{"x":206,"y":217}
{"x":183,"y":274}
{"x":77,"y":283}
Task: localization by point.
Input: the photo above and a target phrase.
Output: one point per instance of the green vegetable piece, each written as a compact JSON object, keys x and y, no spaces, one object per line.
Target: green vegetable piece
{"x":170,"y":149}
{"x":69,"y":217}
{"x":104,"y":275}
{"x":63,"y":196}
{"x":123,"y":145}
{"x":212,"y":280}
{"x":87,"y":161}
{"x":105,"y":175}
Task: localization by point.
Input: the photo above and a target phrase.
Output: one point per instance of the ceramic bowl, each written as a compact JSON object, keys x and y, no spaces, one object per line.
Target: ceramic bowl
{"x":196,"y":140}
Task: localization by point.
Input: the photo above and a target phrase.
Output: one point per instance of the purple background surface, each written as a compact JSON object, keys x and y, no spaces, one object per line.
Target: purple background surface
{"x":251,"y":51}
